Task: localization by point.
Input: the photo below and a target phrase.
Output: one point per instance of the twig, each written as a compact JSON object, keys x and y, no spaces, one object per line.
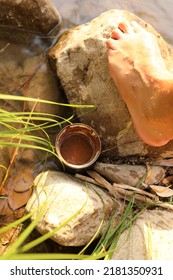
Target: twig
{"x":100,"y":184}
{"x":87,"y":179}
{"x":123,"y":191}
{"x":126,"y":194}
{"x":4,"y":48}
{"x":103,"y":182}
{"x":136,"y":190}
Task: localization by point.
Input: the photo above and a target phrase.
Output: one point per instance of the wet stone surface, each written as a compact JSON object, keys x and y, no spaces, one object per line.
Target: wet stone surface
{"x":42,"y":16}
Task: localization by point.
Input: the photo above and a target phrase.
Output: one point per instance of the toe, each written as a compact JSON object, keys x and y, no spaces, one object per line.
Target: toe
{"x":125,"y":27}
{"x":111,"y":44}
{"x":117,"y":34}
{"x":136,"y":27}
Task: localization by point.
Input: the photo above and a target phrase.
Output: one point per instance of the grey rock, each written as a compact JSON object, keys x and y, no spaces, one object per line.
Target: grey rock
{"x":20,"y":18}
{"x":32,"y":15}
{"x":150,"y":238}
{"x":130,"y":174}
{"x":80,"y":60}
{"x":74,"y":207}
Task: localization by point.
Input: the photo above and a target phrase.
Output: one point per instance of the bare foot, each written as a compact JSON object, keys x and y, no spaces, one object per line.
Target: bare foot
{"x":139,"y":72}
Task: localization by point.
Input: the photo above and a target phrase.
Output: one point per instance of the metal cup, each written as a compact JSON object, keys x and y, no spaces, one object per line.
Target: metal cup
{"x":78,"y":146}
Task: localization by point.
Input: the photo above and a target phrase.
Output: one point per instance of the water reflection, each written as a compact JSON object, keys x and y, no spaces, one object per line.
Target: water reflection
{"x":156,"y":12}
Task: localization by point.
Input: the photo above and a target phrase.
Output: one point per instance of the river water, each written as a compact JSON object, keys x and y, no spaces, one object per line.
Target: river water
{"x":156,"y":12}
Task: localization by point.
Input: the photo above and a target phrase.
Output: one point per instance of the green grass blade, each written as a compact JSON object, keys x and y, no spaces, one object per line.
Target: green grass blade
{"x":109,"y":240}
{"x":47,"y":256}
{"x":15,"y":223}
{"x":38,"y":100}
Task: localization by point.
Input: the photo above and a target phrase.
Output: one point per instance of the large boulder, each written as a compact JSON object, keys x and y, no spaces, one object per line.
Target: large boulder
{"x":80,"y":61}
{"x":74,"y":210}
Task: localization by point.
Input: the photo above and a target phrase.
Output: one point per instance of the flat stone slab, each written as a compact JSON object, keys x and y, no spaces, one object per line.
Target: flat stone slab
{"x":130,"y":174}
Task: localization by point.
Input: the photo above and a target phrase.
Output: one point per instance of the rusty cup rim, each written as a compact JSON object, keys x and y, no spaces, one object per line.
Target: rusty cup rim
{"x":93,"y":134}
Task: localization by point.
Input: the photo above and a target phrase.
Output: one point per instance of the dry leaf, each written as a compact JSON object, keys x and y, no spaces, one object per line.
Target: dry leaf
{"x":162,"y":191}
{"x":17,"y":200}
{"x":4,"y":208}
{"x":9,"y":237}
{"x":24,"y":180}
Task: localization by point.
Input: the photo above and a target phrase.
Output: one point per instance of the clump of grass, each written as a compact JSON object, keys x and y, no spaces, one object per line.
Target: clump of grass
{"x":28,"y":129}
{"x":21,"y":136}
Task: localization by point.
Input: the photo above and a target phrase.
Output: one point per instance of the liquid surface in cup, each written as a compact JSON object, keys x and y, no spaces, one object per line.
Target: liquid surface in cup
{"x":76,"y":149}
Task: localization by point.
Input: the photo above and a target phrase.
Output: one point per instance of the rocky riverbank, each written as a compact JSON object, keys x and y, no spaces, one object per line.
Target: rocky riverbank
{"x":73,"y":70}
